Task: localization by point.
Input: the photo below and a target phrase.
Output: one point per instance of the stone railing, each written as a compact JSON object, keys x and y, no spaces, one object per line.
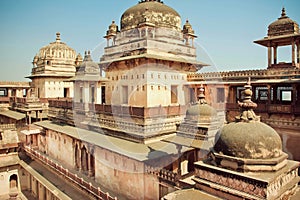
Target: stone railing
{"x":15,"y":84}
{"x":283,"y":123}
{"x":8,"y":126}
{"x":247,"y":73}
{"x":74,"y":178}
{"x":269,"y":108}
{"x":163,"y":174}
{"x":115,"y":110}
{"x":4,"y":100}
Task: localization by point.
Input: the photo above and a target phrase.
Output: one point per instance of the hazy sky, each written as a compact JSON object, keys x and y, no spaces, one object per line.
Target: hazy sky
{"x":226,"y":29}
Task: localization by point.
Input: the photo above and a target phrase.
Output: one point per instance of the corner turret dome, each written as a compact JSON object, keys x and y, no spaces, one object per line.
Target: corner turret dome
{"x":152,"y":11}
{"x":283,"y":26}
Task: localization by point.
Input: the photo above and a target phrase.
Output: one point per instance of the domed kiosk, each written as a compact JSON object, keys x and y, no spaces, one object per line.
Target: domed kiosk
{"x":283,"y":26}
{"x":282,"y":32}
{"x":52,"y":66}
{"x":247,"y":161}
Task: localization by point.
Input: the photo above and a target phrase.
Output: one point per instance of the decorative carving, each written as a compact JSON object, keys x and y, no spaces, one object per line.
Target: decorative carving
{"x":247,"y":113}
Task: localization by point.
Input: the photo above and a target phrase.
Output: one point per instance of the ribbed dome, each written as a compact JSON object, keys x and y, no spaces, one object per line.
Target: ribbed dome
{"x":154,"y":12}
{"x":58,"y":50}
{"x":283,"y":26}
{"x":250,"y":140}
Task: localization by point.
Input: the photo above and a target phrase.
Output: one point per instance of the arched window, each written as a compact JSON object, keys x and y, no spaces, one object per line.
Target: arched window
{"x":13,"y":181}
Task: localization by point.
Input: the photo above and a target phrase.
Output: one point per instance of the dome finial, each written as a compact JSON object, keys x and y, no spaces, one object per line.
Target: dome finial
{"x":283,"y":14}
{"x":142,"y":1}
{"x":247,"y":114}
{"x":58,"y":37}
{"x":201,"y":96}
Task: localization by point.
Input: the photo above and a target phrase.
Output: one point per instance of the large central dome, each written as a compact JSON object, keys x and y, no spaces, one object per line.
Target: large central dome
{"x":154,"y":12}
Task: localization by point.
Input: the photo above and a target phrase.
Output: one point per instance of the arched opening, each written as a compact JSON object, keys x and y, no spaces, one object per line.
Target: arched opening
{"x":92,"y":164}
{"x":191,"y":159}
{"x":76,"y":157}
{"x":13,"y":181}
{"x":84,"y":159}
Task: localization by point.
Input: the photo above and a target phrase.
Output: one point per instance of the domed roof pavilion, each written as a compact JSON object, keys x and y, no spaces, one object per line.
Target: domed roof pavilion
{"x":282,"y":32}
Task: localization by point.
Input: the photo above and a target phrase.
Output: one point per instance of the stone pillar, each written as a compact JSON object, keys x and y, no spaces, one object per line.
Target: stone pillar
{"x":275,"y":54}
{"x":269,"y":55}
{"x":269,"y":94}
{"x":9,"y":92}
{"x":140,"y":32}
{"x":41,"y":115}
{"x":29,"y":118}
{"x":26,"y":120}
{"x":193,"y":42}
{"x":90,"y":173}
{"x":275,"y":94}
{"x":79,"y":160}
{"x":153,"y":33}
{"x":294,"y":95}
{"x":293,"y":53}
{"x":37,"y":114}
{"x":232,"y":94}
{"x":298,"y":53}
{"x":179,"y":147}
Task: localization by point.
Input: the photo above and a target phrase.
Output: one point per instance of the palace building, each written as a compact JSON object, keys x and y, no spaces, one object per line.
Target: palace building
{"x":153,"y":127}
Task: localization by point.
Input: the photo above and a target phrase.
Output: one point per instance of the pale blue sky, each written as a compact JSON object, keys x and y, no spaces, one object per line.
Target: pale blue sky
{"x":226,"y":29}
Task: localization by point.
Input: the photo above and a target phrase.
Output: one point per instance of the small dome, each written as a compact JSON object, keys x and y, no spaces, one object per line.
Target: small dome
{"x":112,"y":29}
{"x":152,"y":11}
{"x":88,"y":65}
{"x":254,"y":140}
{"x":247,"y":137}
{"x":201,"y":109}
{"x":35,"y":59}
{"x":78,"y":60}
{"x":283,"y":26}
{"x":187,"y":28}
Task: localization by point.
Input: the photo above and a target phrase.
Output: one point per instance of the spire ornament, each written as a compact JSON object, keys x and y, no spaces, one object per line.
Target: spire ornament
{"x":58,"y":37}
{"x":283,"y":14}
{"x":247,"y":114}
{"x":201,"y":96}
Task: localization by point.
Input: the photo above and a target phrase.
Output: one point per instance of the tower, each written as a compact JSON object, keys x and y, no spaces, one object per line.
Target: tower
{"x":147,"y":64}
{"x":282,"y":32}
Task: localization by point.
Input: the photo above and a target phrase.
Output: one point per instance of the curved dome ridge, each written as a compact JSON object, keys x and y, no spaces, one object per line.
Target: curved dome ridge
{"x":156,"y":13}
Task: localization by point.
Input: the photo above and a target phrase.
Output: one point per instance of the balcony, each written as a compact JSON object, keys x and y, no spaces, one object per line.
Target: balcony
{"x":4,"y":100}
{"x":119,"y":110}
